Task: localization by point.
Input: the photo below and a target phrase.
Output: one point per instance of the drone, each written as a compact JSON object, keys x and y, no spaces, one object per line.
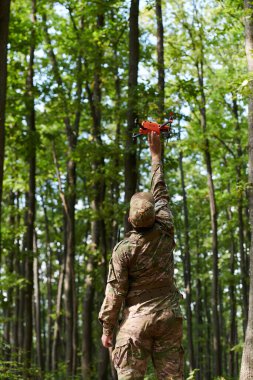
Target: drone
{"x":146,"y":127}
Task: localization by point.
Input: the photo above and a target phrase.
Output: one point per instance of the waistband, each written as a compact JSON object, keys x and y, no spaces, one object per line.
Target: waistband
{"x":149,"y":294}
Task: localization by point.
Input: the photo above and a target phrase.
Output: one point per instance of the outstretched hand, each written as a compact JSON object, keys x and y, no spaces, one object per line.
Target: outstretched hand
{"x":154,"y":145}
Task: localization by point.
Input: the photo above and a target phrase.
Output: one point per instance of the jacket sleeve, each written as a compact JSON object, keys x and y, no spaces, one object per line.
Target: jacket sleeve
{"x":116,"y":289}
{"x":159,"y":190}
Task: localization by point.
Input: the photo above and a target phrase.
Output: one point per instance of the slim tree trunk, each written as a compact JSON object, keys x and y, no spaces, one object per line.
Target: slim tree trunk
{"x":20,"y":292}
{"x":8,"y":308}
{"x":160,"y":57}
{"x":208,"y":358}
{"x":198,"y":46}
{"x":69,"y":200}
{"x":215,"y":284}
{"x":246,"y":372}
{"x":98,"y":233}
{"x":87,"y":322}
{"x":37,"y":312}
{"x":57,"y":323}
{"x":160,"y":63}
{"x":4,"y":29}
{"x":49,"y":290}
{"x":213,"y":212}
{"x":232,"y":296}
{"x":187,"y":266}
{"x":199,"y":315}
{"x":16,"y":266}
{"x":199,"y":320}
{"x":130,"y":147}
{"x":69,"y":279}
{"x":115,"y":189}
{"x":243,"y":264}
{"x":30,"y":198}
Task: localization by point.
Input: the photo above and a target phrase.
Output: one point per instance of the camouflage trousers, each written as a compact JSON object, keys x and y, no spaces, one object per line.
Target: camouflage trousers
{"x":156,"y":335}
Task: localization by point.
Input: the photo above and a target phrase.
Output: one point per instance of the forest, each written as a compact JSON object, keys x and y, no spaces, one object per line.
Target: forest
{"x":74,"y":76}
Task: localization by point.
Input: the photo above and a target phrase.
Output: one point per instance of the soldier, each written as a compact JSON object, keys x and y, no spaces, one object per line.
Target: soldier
{"x":141,"y":278}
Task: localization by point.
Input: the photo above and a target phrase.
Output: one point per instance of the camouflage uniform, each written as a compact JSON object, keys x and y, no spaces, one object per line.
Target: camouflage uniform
{"x":141,"y":278}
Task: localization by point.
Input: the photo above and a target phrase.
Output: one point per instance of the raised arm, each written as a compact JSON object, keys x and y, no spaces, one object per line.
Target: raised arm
{"x":158,"y":186}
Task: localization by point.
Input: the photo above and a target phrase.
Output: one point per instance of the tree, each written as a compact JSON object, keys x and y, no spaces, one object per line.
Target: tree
{"x":246,"y":372}
{"x":130,"y":164}
{"x":30,"y":197}
{"x":4,"y":30}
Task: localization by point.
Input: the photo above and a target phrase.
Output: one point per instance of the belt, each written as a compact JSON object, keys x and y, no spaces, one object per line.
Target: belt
{"x":149,"y":294}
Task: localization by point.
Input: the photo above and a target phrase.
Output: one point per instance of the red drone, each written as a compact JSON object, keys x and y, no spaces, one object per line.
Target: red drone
{"x":149,"y":126}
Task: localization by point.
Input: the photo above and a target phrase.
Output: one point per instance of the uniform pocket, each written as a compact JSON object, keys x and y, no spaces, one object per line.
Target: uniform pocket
{"x":121,"y":354}
{"x":111,"y":273}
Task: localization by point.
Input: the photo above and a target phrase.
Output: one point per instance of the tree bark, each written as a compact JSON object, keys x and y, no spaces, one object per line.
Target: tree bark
{"x":37,"y":311}
{"x":160,"y":57}
{"x":30,"y":198}
{"x":199,"y":316}
{"x":98,"y":233}
{"x":4,"y":30}
{"x":16,"y":265}
{"x":160,"y":64}
{"x":213,"y":213}
{"x":130,"y":163}
{"x":69,"y":279}
{"x":49,"y":290}
{"x":198,"y":46}
{"x":187,"y":266}
{"x":232,"y":296}
{"x":115,"y":188}
{"x":209,"y":359}
{"x":243,"y":260}
{"x":87,"y":322}
{"x":57,"y":323}
{"x":8,"y":306}
{"x":69,"y":200}
{"x":246,"y":372}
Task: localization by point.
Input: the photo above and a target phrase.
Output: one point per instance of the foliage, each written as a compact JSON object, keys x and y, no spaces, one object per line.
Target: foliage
{"x":211,"y":31}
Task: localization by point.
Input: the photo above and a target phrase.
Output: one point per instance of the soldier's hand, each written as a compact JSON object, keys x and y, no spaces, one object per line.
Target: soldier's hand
{"x":106,"y":341}
{"x":154,"y":145}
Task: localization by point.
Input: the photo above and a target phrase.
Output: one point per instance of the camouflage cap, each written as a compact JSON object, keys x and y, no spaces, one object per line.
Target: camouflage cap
{"x":142,"y":210}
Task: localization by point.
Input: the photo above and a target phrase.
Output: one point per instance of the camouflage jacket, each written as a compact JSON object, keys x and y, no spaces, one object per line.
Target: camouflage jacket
{"x":141,"y":268}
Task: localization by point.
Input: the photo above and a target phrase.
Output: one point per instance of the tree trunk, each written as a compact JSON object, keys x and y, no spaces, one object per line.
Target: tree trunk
{"x":16,"y":265}
{"x":115,"y":187}
{"x":209,"y":359}
{"x":246,"y":372}
{"x":8,"y":307}
{"x":199,"y":320}
{"x":69,"y":279}
{"x":69,"y":200}
{"x":98,"y":233}
{"x":215,"y":284}
{"x":87,"y":322}
{"x":160,"y":63}
{"x":199,"y":64}
{"x":49,"y":290}
{"x":243,"y":264}
{"x":37,"y":313}
{"x":30,"y":199}
{"x":232,"y":297}
{"x":187,"y":266}
{"x":57,"y":323}
{"x":160,"y":58}
{"x":213,"y":212}
{"x":130,"y":146}
{"x":4,"y":29}
{"x":199,"y":315}
{"x":19,"y":297}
